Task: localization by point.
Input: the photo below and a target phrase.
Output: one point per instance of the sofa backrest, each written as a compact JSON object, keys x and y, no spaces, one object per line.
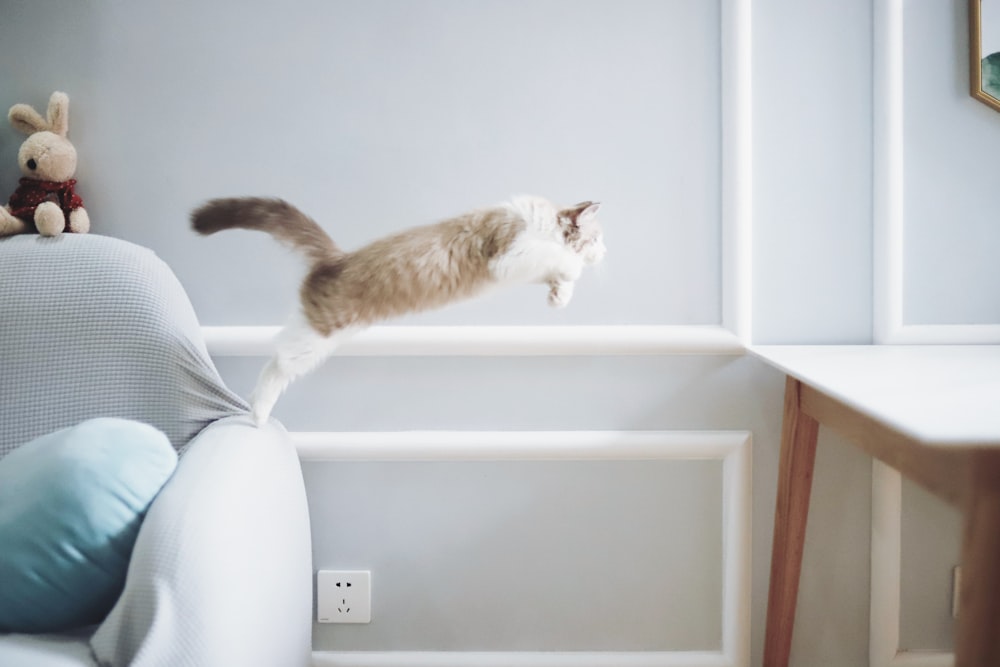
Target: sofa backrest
{"x":93,"y":326}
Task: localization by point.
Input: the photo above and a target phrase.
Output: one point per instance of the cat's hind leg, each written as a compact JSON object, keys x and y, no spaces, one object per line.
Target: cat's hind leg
{"x":272,"y":382}
{"x":300,"y":349}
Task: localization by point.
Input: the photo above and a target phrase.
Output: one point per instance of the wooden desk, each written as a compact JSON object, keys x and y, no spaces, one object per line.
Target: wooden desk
{"x":930,"y":412}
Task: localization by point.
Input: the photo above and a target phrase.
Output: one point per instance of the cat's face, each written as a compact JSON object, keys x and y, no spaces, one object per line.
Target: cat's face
{"x":582,"y":232}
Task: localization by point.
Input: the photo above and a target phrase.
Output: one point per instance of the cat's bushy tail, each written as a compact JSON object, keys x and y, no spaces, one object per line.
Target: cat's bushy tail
{"x":274,"y":216}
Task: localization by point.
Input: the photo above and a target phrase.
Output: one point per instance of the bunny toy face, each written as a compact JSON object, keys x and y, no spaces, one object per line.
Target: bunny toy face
{"x":47,"y":156}
{"x":45,"y":200}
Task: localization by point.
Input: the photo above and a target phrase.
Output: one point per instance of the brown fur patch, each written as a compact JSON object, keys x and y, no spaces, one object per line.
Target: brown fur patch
{"x":569,"y":222}
{"x":274,"y":216}
{"x":414,"y":270}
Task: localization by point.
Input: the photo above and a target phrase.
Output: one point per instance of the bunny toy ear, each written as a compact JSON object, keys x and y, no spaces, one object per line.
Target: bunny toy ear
{"x":59,"y":113}
{"x":26,"y":120}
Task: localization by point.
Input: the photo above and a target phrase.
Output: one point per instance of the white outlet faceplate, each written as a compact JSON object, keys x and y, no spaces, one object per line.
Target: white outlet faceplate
{"x":344,"y":596}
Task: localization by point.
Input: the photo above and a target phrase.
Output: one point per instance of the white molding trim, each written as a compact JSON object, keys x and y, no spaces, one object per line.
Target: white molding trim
{"x":943,"y":334}
{"x":883,"y":648}
{"x":737,"y":168}
{"x":737,"y":535}
{"x":890,"y":326}
{"x":733,"y":448}
{"x":255,"y":341}
{"x":888,"y":156}
{"x":517,"y":445}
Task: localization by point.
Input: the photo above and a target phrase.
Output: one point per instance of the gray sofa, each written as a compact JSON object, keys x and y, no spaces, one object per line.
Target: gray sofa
{"x":221,"y":572}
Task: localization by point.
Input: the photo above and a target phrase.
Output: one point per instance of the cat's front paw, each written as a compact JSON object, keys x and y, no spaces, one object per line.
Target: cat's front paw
{"x":559,"y":294}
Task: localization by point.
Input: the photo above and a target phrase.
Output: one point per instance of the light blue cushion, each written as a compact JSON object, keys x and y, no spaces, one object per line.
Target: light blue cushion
{"x":71,"y":503}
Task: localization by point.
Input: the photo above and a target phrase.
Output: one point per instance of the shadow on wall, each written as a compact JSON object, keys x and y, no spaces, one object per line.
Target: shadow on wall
{"x":71,"y":37}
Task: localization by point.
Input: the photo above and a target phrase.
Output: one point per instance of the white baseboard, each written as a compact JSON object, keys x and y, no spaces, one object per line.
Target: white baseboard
{"x":518,"y":659}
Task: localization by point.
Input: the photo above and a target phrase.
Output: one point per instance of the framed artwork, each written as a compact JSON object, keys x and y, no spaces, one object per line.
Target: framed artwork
{"x":984,"y":51}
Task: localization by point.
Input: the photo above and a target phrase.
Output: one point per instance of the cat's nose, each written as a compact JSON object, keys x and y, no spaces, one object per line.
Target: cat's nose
{"x":32,"y":165}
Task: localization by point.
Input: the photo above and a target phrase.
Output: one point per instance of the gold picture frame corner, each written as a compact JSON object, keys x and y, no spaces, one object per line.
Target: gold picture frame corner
{"x":976,"y":57}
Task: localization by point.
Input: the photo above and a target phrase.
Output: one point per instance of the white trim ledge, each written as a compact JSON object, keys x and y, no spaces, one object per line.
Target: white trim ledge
{"x":389,"y":341}
{"x":520,"y":446}
{"x":518,"y":659}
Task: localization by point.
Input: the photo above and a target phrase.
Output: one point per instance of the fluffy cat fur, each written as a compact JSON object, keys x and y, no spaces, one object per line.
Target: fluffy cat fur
{"x":527,"y":240}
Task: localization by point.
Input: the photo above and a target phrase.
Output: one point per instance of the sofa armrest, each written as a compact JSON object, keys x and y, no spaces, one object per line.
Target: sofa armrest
{"x":221,"y":573}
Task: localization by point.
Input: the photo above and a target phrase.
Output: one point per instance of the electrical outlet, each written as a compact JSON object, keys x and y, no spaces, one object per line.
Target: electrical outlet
{"x":344,"y":596}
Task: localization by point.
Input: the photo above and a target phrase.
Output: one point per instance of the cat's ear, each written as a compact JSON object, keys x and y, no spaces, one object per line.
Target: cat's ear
{"x":581,"y":213}
{"x":588,"y":213}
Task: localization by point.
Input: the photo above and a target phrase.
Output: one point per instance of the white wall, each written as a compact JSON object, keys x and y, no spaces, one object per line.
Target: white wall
{"x":812,"y":212}
{"x":949,"y":174}
{"x":377,"y":115}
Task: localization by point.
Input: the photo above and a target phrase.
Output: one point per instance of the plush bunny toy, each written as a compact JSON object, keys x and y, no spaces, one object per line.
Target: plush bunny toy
{"x":44,"y":200}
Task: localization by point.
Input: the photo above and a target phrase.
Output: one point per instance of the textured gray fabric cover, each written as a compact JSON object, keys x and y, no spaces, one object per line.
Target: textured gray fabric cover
{"x":45,"y":651}
{"x":92,"y":326}
{"x":221,"y":573}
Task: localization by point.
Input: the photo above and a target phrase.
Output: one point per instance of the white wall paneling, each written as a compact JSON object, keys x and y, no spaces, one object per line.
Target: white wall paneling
{"x":890,"y":178}
{"x":729,"y":337}
{"x":891,"y":328}
{"x":732,"y":447}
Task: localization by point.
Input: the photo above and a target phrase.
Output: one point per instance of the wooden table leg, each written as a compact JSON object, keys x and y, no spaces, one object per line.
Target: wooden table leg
{"x":795,"y":471}
{"x":978,"y":632}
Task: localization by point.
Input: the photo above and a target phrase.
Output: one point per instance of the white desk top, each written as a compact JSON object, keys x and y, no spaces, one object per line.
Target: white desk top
{"x":938,"y":395}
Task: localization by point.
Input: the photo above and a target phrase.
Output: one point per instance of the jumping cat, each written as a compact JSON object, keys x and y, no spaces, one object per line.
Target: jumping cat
{"x":527,"y":240}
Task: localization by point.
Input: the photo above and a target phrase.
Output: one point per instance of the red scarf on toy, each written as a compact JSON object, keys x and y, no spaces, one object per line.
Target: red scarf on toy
{"x":31,"y":192}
